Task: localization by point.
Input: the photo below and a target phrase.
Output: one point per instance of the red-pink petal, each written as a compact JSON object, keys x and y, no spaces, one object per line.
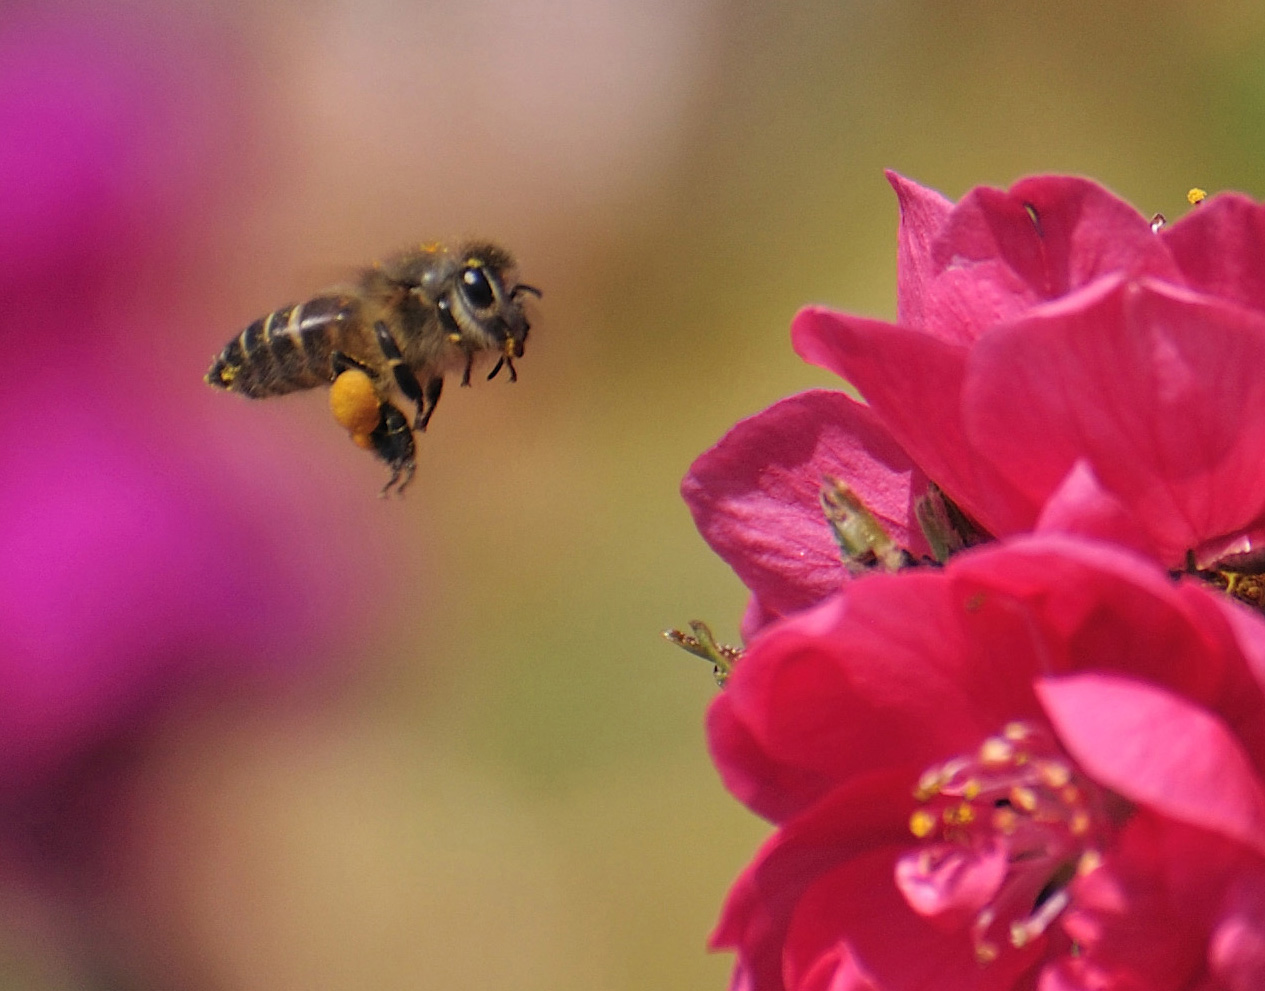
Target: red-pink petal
{"x":755,"y":495}
{"x":1236,"y":948}
{"x":1241,"y":702}
{"x":951,"y":884}
{"x":1094,"y":606}
{"x":1157,"y":749}
{"x":1157,"y":389}
{"x":764,"y":782}
{"x":1219,"y":248}
{"x":914,"y":384}
{"x":1249,"y":634}
{"x":835,"y":970}
{"x":1141,"y":920}
{"x":898,"y":949}
{"x":923,"y":214}
{"x":1080,"y":505}
{"x":869,"y":812}
{"x":1001,"y":252}
{"x":754,"y":618}
{"x":876,"y":677}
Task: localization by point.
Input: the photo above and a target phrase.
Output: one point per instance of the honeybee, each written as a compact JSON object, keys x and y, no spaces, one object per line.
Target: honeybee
{"x":397,"y":330}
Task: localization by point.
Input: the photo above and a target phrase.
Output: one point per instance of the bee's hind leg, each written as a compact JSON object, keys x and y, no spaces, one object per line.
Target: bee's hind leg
{"x":341,"y":361}
{"x":373,"y":423}
{"x":392,"y":441}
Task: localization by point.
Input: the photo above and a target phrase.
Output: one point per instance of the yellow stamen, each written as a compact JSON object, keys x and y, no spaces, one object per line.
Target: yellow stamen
{"x":1090,"y":861}
{"x":930,"y":783}
{"x":922,"y":824}
{"x":961,"y":814}
{"x":996,"y":752}
{"x":1196,"y":196}
{"x":1054,"y":774}
{"x":1024,"y":798}
{"x":1005,"y":821}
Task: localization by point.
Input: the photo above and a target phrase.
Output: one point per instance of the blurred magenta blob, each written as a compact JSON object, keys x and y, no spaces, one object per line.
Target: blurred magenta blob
{"x":112,"y":125}
{"x":142,"y":565}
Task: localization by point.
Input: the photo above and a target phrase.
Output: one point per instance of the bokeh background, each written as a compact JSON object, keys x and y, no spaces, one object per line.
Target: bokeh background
{"x":262,"y":730}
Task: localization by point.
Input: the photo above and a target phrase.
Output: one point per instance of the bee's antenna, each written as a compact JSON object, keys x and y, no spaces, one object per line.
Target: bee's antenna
{"x":523,"y":287}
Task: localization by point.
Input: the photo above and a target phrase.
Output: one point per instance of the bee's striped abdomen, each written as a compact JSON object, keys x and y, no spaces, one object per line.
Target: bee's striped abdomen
{"x":288,"y":350}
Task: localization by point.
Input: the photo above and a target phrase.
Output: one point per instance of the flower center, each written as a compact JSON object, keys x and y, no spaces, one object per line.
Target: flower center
{"x":1005,"y":831}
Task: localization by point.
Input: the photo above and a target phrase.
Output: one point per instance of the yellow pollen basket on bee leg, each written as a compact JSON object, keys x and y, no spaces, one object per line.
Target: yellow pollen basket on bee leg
{"x":354,"y":402}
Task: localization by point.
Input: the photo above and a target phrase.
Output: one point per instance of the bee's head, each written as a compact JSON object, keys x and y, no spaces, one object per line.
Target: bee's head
{"x":483,"y":306}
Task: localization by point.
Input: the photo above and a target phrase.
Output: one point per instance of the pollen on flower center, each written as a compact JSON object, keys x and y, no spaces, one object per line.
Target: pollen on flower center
{"x":1004,"y":831}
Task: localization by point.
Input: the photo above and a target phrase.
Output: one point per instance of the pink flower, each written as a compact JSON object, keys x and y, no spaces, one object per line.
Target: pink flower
{"x":153,"y":555}
{"x":1040,"y":767}
{"x":755,"y":494}
{"x":1050,"y":343}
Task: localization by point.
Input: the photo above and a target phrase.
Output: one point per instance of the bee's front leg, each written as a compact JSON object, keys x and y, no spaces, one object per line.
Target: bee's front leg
{"x":434,"y":387}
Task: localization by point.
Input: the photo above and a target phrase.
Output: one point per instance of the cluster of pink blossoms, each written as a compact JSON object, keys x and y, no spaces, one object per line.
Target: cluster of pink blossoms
{"x":1040,"y":765}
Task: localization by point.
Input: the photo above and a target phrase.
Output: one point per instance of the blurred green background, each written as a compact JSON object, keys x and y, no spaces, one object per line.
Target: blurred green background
{"x":514,"y":790}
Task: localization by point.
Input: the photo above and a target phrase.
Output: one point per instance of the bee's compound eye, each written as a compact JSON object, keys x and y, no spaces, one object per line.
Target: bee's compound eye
{"x":477,"y":287}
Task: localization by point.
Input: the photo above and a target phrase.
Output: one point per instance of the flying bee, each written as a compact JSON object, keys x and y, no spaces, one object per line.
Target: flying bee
{"x":397,"y":330}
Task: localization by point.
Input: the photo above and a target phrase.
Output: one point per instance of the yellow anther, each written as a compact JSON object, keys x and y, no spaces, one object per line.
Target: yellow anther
{"x":1090,"y":861}
{"x":996,"y":752}
{"x":922,"y":824}
{"x":1079,"y":823}
{"x":1016,"y":732}
{"x":986,"y":953}
{"x":971,"y":790}
{"x":1023,"y":798}
{"x":1196,"y":196}
{"x":1005,"y":821}
{"x":929,"y":784}
{"x":1054,"y":773}
{"x":961,"y":814}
